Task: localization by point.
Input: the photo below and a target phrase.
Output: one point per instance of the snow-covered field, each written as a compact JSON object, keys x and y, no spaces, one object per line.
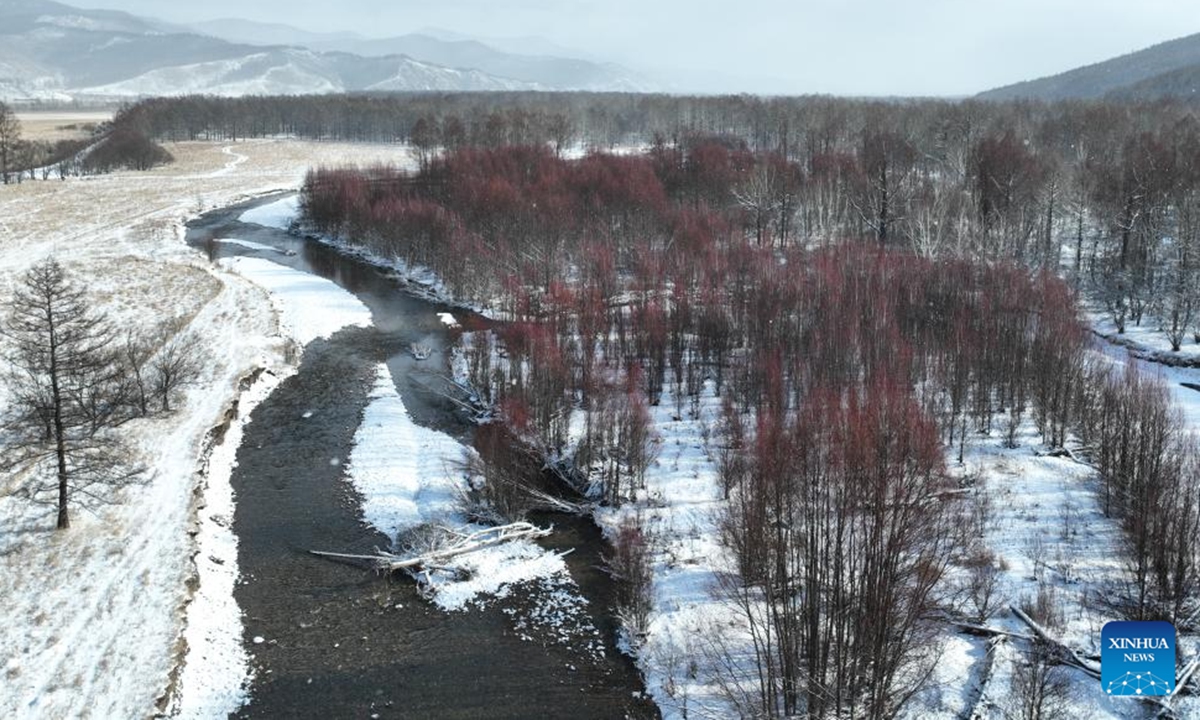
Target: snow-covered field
{"x":1043,"y":526}
{"x":94,"y":616}
{"x":680,"y":510}
{"x":1147,"y":337}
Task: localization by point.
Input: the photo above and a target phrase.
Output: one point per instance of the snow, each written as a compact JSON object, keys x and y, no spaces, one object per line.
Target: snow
{"x":216,"y":672}
{"x":1147,"y":337}
{"x":494,"y":571}
{"x":1045,"y":523}
{"x":680,"y":511}
{"x":955,"y":678}
{"x":409,"y":475}
{"x":260,"y":73}
{"x":309,"y":307}
{"x":1186,"y":399}
{"x":1046,"y":529}
{"x":249,"y":245}
{"x":278,"y":214}
{"x":70,"y":599}
{"x":406,"y":473}
{"x":448,"y":320}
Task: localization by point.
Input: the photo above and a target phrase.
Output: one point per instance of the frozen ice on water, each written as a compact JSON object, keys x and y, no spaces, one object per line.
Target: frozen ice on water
{"x":278,"y":215}
{"x":309,"y":307}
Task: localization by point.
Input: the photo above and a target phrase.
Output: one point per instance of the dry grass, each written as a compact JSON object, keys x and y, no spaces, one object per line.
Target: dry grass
{"x":53,"y":126}
{"x":96,"y":214}
{"x":152,"y":291}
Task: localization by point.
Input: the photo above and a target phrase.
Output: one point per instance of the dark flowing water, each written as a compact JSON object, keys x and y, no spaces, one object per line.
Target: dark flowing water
{"x":330,"y":640}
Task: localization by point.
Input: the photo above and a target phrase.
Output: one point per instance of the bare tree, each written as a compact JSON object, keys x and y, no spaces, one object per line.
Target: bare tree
{"x":175,"y":366}
{"x":1041,"y":688}
{"x":10,"y":139}
{"x":760,"y":197}
{"x":631,"y":563}
{"x":135,"y":356}
{"x":67,"y":392}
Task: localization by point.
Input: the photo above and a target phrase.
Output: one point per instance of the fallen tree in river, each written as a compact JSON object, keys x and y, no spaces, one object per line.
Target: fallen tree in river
{"x":458,"y":543}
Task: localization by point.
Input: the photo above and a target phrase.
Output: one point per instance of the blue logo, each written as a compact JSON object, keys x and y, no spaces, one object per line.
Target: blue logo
{"x":1138,"y":658}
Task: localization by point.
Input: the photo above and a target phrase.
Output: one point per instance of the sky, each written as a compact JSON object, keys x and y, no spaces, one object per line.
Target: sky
{"x":847,"y":47}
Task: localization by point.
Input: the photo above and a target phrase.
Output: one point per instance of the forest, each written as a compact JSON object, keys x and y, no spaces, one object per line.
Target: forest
{"x":846,"y":368}
{"x":1108,"y":192}
{"x":863,"y":286}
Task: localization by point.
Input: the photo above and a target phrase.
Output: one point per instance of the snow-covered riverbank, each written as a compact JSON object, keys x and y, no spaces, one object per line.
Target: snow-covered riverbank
{"x":94,"y":616}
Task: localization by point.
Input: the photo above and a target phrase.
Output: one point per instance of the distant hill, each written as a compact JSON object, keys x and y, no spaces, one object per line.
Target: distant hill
{"x":559,"y":72}
{"x":1181,"y":83}
{"x":250,"y":32}
{"x":52,"y":51}
{"x":1167,"y":69}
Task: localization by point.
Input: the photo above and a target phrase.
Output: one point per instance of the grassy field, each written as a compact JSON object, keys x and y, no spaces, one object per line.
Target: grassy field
{"x":60,"y":125}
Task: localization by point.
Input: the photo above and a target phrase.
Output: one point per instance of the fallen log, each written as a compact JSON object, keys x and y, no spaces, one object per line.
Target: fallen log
{"x":971,"y":710}
{"x":464,"y":542}
{"x":1185,"y":676}
{"x":986,"y":631}
{"x":1067,"y":655}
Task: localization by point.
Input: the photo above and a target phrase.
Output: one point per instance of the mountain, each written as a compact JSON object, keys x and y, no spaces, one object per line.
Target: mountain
{"x":250,"y":32}
{"x":522,"y":45}
{"x":49,"y":50}
{"x":552,"y":71}
{"x":1167,"y":69}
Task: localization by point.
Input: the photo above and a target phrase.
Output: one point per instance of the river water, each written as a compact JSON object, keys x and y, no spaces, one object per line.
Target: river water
{"x":330,"y":640}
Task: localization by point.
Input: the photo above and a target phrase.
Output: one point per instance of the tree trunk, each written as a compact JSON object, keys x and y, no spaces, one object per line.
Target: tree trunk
{"x":60,"y":449}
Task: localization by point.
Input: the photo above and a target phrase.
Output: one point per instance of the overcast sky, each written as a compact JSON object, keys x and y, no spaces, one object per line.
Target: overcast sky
{"x":851,"y":47}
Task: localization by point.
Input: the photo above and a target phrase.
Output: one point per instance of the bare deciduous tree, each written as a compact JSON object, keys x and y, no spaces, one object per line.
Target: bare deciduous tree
{"x":631,"y":564}
{"x":1041,"y":687}
{"x":10,"y":139}
{"x":175,"y":366}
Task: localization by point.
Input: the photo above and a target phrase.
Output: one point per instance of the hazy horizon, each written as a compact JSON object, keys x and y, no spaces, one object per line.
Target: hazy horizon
{"x":861,"y":47}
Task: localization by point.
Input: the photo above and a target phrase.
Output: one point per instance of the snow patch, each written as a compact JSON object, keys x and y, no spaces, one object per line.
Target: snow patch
{"x":406,"y":475}
{"x":309,"y":307}
{"x":216,"y":671}
{"x":249,"y":245}
{"x":278,"y":214}
{"x":494,"y":571}
{"x":405,"y":472}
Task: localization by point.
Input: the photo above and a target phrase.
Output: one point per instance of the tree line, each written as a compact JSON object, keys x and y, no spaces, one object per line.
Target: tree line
{"x":1110,"y":188}
{"x":109,"y":149}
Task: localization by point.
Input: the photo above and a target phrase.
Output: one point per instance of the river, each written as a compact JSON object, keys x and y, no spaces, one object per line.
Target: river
{"x":330,"y":640}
